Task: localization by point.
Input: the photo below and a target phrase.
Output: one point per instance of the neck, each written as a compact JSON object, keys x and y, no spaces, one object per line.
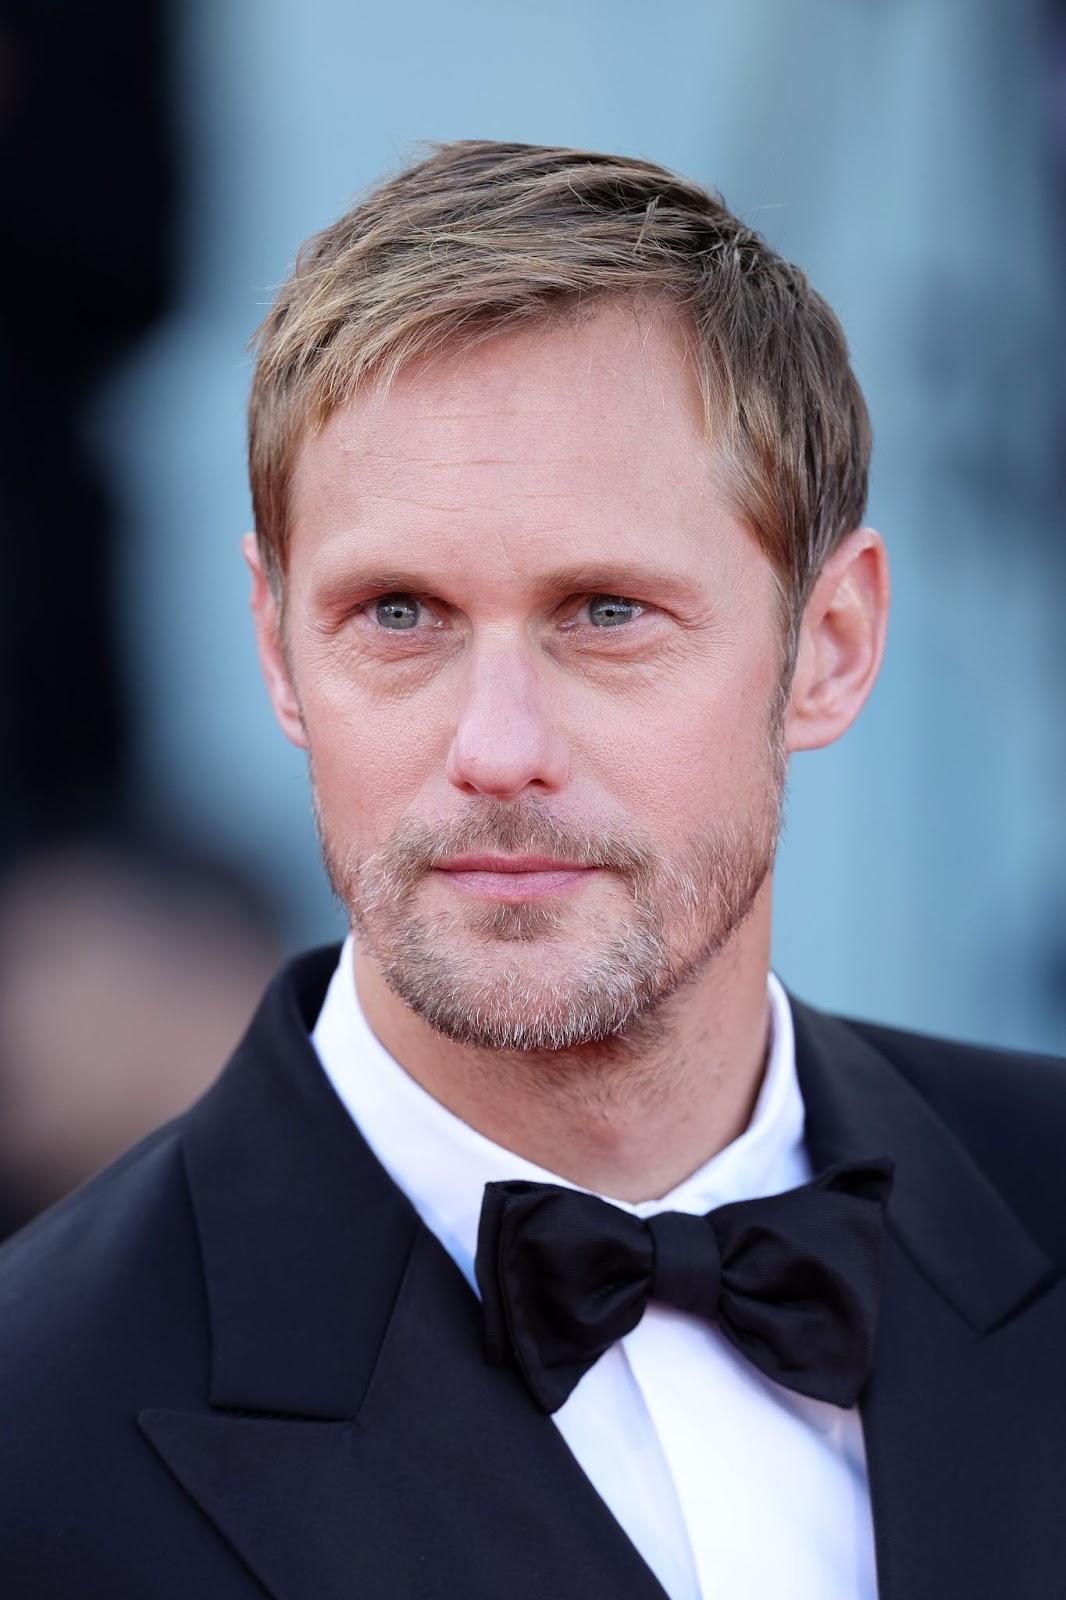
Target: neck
{"x":630,"y":1117}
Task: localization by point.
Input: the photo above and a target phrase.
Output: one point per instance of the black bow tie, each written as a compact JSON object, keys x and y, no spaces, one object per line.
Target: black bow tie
{"x":791,"y":1279}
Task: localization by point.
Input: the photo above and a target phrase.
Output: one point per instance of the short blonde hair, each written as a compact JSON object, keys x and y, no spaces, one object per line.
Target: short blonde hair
{"x":480,"y":238}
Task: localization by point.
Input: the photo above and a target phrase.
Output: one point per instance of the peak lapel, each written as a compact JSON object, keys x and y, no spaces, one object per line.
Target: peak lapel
{"x":449,"y":1482}
{"x":960,"y":1439}
{"x":375,"y":1451}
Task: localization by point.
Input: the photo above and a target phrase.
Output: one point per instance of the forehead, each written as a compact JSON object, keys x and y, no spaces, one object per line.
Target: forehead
{"x":581,"y":440}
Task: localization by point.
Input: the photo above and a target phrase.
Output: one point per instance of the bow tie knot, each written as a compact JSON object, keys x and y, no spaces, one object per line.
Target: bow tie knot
{"x":790,"y":1280}
{"x":687,"y":1270}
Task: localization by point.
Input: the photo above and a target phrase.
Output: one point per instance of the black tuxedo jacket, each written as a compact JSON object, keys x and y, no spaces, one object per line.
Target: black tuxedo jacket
{"x":238,"y":1365}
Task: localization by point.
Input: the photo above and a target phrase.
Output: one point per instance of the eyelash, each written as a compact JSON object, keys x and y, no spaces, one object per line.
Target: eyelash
{"x":570,"y":621}
{"x":639,"y":609}
{"x":362,"y":614}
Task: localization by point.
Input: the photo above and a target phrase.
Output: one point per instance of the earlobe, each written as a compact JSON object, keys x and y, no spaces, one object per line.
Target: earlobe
{"x":842,"y":641}
{"x":269,"y":643}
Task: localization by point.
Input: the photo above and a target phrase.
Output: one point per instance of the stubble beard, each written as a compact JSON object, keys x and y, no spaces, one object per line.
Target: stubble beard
{"x":541,"y":975}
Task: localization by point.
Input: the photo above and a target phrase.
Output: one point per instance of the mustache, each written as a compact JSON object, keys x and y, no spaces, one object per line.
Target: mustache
{"x":417,"y":847}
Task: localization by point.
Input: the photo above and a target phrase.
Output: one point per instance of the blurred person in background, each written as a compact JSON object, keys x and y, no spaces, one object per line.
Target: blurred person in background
{"x":559,"y":475}
{"x":127,"y":970}
{"x":127,"y":974}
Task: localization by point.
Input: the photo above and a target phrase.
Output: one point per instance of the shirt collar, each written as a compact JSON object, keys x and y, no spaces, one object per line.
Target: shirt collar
{"x":442,"y":1164}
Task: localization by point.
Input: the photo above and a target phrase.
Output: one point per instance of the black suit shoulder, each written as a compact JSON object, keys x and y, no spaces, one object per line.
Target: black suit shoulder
{"x":108,"y":1247}
{"x":1008,"y":1108}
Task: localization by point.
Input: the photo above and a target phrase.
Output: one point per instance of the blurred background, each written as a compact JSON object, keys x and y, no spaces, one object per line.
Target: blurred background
{"x":159,"y":165}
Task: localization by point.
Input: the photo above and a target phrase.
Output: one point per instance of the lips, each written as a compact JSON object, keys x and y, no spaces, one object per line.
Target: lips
{"x":516,"y":864}
{"x":512,"y":878}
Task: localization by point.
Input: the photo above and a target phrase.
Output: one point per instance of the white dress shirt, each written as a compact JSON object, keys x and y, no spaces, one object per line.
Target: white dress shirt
{"x":730,"y":1486}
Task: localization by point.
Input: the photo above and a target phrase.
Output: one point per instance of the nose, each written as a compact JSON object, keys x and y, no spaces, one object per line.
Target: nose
{"x":506,"y":740}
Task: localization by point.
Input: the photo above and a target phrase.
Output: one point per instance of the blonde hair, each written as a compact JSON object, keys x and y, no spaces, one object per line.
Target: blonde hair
{"x":480,"y":238}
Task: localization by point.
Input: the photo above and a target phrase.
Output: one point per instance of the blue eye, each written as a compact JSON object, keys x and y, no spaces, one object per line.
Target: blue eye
{"x":397,"y":611}
{"x":611,"y":610}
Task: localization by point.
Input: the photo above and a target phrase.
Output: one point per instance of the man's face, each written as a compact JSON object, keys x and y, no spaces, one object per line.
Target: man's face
{"x":538,"y":668}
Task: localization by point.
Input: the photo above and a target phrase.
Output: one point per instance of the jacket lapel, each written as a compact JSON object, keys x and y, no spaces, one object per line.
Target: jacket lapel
{"x":355,"y":1439}
{"x":957,"y":1432}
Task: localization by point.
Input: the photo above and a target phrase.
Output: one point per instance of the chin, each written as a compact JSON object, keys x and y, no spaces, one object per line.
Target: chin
{"x":517,"y":982}
{"x":505,"y":1017}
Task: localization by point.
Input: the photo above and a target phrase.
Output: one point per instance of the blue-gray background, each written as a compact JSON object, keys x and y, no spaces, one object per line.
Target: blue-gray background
{"x":909,"y":154}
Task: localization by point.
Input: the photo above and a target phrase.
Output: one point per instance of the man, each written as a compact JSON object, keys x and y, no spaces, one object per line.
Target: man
{"x":558,"y":476}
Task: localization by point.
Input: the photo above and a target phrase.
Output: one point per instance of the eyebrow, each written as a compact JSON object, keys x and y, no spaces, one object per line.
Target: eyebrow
{"x":332,"y":588}
{"x":622,"y":578}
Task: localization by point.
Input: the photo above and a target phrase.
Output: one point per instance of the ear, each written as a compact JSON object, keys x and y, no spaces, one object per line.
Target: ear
{"x":842,"y":640}
{"x":269,"y":642}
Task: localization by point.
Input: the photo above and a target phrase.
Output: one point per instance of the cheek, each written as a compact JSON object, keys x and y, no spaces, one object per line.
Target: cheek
{"x":371,"y":760}
{"x":686,"y":753}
